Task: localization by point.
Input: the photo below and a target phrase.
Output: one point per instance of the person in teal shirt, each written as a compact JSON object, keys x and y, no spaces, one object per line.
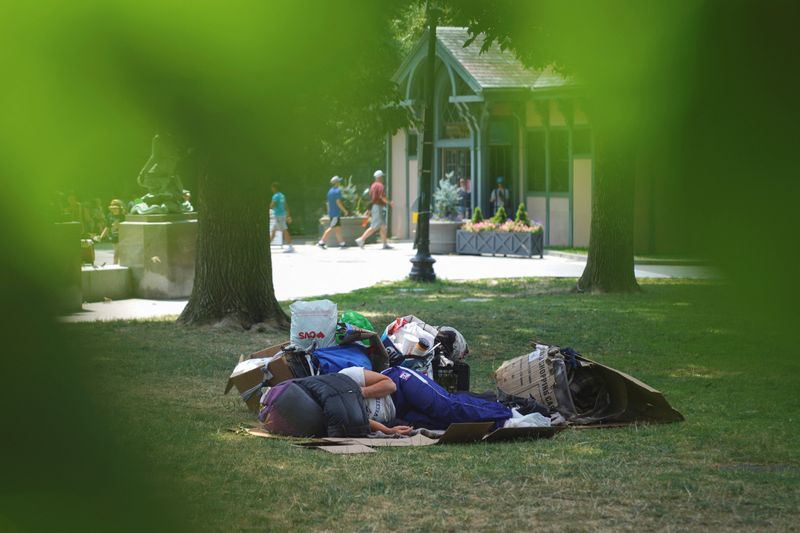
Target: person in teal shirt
{"x":280,"y":210}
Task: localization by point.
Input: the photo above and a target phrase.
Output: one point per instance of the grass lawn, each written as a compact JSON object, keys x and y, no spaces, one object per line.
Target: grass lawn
{"x":734,"y":463}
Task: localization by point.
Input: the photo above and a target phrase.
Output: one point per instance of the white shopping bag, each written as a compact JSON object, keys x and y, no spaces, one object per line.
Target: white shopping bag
{"x":313,"y":321}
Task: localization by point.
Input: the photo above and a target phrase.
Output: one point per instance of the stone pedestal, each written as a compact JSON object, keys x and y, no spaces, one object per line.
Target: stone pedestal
{"x":160,"y":251}
{"x":109,"y":282}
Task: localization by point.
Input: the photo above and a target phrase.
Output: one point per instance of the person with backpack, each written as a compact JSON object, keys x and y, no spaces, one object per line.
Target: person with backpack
{"x":499,"y":197}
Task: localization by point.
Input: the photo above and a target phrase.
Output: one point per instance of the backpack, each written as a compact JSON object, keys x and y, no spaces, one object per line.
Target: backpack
{"x":317,"y":406}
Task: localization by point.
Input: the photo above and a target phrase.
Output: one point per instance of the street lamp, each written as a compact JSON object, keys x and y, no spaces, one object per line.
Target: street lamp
{"x":422,"y":263}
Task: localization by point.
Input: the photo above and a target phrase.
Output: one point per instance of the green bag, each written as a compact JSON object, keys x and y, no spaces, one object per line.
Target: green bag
{"x":358,"y":320}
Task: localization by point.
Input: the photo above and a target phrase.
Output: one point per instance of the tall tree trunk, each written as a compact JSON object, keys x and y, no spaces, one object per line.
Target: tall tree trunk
{"x":233,"y":266}
{"x":609,"y":266}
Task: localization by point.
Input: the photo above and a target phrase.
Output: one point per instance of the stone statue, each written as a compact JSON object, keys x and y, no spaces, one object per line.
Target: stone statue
{"x":165,"y":192}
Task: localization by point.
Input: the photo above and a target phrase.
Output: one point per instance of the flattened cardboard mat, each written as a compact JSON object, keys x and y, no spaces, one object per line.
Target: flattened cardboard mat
{"x":455,"y":434}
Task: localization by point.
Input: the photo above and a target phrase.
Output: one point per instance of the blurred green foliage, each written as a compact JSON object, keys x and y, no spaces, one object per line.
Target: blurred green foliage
{"x":705,"y":91}
{"x":706,"y":95}
{"x":251,"y":89}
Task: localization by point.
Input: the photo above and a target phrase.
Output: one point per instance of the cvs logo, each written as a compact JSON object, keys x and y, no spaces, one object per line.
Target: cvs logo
{"x":311,"y":335}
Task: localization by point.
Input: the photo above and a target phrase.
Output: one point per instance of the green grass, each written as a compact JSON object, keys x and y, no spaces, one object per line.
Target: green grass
{"x":734,"y":463}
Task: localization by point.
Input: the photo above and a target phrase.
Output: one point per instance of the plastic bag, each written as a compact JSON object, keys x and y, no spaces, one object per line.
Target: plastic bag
{"x":406,"y":337}
{"x":313,"y":321}
{"x":532,"y":420}
{"x":358,"y":320}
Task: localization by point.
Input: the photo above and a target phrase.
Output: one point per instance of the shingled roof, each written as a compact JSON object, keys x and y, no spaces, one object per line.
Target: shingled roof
{"x":494,"y":68}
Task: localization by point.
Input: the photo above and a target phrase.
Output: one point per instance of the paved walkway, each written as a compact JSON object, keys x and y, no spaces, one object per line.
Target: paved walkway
{"x":311,"y":271}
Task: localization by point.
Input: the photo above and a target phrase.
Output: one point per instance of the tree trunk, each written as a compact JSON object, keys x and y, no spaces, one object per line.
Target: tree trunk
{"x":233,"y":266}
{"x":609,"y":266}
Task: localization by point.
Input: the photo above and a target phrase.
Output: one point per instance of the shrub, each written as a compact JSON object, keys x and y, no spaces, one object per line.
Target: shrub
{"x":445,"y":200}
{"x":522,"y":215}
{"x":499,"y":222}
{"x":351,"y":199}
{"x":500,"y":216}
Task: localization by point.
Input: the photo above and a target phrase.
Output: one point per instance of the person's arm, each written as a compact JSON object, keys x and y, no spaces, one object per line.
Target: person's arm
{"x":377,"y":426}
{"x":288,"y":215}
{"x":377,"y":385}
{"x":341,"y":206}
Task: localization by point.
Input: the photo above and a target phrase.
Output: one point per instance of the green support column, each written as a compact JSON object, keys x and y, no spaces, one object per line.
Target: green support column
{"x":543,"y":108}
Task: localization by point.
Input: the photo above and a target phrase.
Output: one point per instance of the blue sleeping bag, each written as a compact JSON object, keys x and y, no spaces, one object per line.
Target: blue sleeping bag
{"x":335,"y":358}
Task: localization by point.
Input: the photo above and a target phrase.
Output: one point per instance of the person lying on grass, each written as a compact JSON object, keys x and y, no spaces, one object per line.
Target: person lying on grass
{"x":402,"y":393}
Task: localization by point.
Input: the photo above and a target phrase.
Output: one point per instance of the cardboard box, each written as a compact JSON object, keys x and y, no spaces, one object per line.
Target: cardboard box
{"x":247,"y":379}
{"x":534,"y":376}
{"x":529,"y":376}
{"x":455,"y":434}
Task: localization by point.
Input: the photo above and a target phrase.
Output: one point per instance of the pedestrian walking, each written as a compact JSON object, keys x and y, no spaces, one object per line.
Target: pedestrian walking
{"x":280,"y":209}
{"x":335,"y":210}
{"x":378,"y":210}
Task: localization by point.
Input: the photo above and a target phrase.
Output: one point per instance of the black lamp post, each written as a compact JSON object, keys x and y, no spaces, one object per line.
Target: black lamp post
{"x":422,"y":263}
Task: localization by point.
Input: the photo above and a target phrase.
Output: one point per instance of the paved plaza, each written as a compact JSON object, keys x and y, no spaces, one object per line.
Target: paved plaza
{"x":311,"y":271}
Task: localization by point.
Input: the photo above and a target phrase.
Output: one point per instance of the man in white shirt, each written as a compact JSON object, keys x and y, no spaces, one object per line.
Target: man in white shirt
{"x":377,"y":390}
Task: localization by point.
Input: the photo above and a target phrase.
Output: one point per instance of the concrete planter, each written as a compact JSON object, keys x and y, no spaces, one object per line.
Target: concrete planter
{"x":443,"y":236}
{"x":500,"y":243}
{"x":352,"y":228}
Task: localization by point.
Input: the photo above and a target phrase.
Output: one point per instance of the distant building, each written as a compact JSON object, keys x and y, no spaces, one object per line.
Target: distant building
{"x":494,"y":117}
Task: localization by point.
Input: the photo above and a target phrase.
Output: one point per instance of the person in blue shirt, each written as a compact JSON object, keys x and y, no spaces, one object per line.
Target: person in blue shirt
{"x":335,"y":210}
{"x":280,"y":210}
{"x":421,"y":402}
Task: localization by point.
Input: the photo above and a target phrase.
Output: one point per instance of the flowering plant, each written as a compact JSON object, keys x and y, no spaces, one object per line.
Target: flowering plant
{"x":520,"y":224}
{"x":509,"y":226}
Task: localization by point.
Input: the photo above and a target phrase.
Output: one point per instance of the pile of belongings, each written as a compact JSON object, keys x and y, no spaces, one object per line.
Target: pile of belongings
{"x":437,"y":352}
{"x":299,"y":390}
{"x":323,"y":343}
{"x":583,"y":391}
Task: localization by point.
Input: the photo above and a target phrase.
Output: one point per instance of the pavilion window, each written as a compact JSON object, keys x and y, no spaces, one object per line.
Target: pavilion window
{"x":559,"y":161}
{"x":536,"y":176}
{"x":411,"y":147}
{"x":582,"y":142}
{"x":453,"y":124}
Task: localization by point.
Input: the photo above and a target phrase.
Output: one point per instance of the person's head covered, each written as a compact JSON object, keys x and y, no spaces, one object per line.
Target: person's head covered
{"x":378,"y":175}
{"x":336,"y":180}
